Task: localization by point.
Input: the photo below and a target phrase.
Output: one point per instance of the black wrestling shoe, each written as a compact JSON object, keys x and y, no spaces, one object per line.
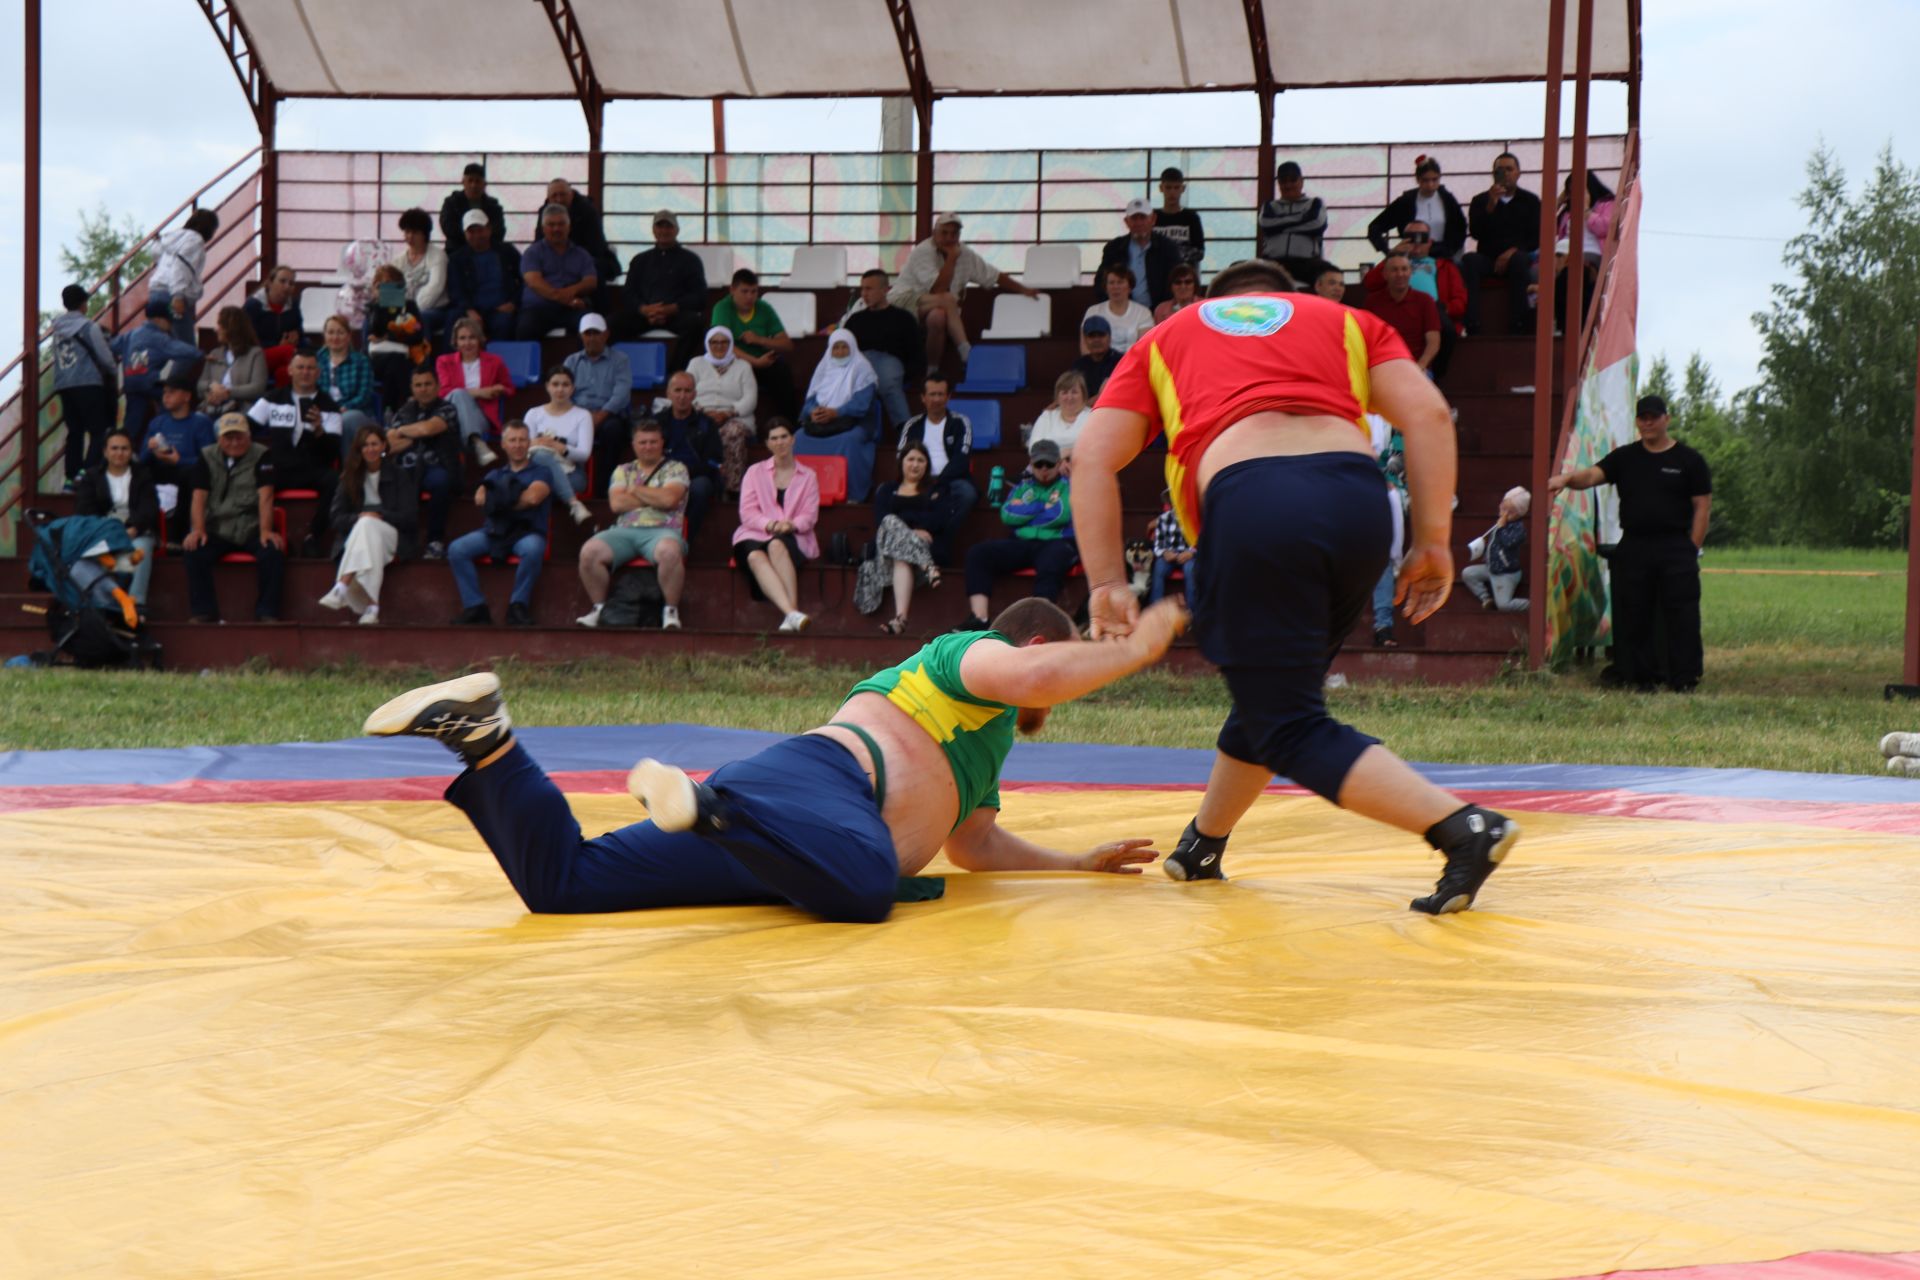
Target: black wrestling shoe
{"x":467,"y":716}
{"x":674,"y":801}
{"x":1196,"y":857}
{"x":1475,"y":841}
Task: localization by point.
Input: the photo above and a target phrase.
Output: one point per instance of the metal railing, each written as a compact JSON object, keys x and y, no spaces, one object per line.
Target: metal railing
{"x":233,"y":260}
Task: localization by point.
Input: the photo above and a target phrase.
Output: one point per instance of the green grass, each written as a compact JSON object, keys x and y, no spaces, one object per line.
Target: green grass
{"x":1795,"y":666}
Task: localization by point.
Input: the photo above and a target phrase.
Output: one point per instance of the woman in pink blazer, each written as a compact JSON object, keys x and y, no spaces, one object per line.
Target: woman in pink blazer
{"x":779,"y":507}
{"x":476,"y":383}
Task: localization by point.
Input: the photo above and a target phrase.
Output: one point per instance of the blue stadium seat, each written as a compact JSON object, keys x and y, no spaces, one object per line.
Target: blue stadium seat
{"x":522,"y":361}
{"x":649,"y":360}
{"x":995,"y":370}
{"x":985,"y":417}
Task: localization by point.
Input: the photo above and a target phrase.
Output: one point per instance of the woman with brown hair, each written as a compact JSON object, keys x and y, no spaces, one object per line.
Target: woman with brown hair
{"x":234,"y":374}
{"x":376,"y":512}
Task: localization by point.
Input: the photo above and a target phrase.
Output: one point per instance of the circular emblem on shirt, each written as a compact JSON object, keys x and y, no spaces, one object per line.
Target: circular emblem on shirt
{"x":1246,"y":317}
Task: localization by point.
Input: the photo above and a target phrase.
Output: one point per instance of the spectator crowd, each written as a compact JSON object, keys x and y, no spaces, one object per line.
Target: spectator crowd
{"x":399,"y":413}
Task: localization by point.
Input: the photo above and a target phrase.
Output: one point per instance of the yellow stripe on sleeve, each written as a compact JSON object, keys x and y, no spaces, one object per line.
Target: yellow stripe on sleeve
{"x":1167,"y":396}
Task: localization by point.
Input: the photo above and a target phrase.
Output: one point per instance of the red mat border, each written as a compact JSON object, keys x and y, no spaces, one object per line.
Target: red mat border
{"x":1886,"y":818}
{"x":1801,"y":1266}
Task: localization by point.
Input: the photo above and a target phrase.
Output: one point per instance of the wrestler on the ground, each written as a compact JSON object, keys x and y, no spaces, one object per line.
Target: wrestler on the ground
{"x":828,"y":821}
{"x":1263,"y":393}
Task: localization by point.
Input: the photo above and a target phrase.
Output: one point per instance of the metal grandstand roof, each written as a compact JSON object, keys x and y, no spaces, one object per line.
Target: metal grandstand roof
{"x":603,"y":49}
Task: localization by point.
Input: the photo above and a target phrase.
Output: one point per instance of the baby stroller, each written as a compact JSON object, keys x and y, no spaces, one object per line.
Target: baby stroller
{"x":86,"y":562}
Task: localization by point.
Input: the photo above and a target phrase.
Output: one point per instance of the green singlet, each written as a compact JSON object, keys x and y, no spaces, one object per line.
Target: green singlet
{"x":975,"y":734}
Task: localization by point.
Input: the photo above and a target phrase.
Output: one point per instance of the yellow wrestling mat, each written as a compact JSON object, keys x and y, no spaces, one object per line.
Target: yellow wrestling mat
{"x":325,"y":1040}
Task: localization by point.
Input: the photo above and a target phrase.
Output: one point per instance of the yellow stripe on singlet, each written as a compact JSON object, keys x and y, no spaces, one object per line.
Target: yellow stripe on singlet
{"x":1359,"y":378}
{"x":1160,"y":378}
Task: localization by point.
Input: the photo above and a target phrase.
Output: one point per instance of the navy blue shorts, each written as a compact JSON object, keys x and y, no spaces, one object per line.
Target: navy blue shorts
{"x":803,"y":828}
{"x":1290,"y":550}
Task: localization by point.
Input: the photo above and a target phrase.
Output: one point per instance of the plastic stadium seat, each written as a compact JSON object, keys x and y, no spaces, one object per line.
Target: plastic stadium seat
{"x":831,"y":468}
{"x":247,"y":557}
{"x":796,"y":311}
{"x":818,"y":266}
{"x":317,"y":302}
{"x":295,"y":495}
{"x":1016,"y":318}
{"x":719,"y":261}
{"x":985,"y":417}
{"x":649,"y":361}
{"x":995,"y":370}
{"x":1051,"y":266}
{"x":522,"y":360}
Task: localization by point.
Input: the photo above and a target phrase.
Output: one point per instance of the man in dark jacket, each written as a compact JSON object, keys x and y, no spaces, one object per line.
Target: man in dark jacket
{"x":470,"y":196}
{"x":666,"y":289}
{"x":1151,"y":258}
{"x":948,"y":440}
{"x":483,"y":281}
{"x":87,"y":379}
{"x":148,"y":357}
{"x":300,"y":426}
{"x":423,"y":439}
{"x":1505,"y":223}
{"x":693,"y":440}
{"x":1429,"y":202}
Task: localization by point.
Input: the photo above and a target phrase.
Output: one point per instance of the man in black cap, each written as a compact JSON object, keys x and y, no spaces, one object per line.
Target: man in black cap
{"x":1666,"y":493}
{"x":1182,"y":226}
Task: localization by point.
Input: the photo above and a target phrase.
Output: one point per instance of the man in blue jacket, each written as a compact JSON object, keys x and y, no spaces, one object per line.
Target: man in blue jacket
{"x":86,"y":378}
{"x":145,"y":355}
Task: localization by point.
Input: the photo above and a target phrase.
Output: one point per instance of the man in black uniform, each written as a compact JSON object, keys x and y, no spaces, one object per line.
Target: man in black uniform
{"x":1666,"y":492}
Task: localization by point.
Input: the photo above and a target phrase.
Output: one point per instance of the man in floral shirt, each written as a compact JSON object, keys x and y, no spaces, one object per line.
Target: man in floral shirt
{"x":649,"y":500}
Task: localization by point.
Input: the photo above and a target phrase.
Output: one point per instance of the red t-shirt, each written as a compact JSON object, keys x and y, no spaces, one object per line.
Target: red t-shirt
{"x":1413,"y":317}
{"x":1213,"y":364}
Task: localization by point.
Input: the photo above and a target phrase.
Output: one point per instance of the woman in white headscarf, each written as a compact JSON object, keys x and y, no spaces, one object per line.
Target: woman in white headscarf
{"x":724,"y":390}
{"x":841,"y":414}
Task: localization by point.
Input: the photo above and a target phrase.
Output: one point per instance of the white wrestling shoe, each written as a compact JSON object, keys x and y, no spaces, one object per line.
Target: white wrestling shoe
{"x":466,"y":715}
{"x":1900,"y":744}
{"x":1903,"y":766}
{"x":670,"y":797}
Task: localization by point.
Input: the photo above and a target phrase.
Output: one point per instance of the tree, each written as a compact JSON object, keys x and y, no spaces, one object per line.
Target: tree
{"x":102,"y":242}
{"x":1829,"y":427}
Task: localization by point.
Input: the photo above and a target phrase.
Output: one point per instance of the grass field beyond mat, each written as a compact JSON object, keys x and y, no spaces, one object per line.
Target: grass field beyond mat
{"x":1795,"y":667}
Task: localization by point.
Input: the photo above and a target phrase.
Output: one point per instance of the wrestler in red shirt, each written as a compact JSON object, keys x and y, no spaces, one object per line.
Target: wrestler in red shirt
{"x":1262,"y":394}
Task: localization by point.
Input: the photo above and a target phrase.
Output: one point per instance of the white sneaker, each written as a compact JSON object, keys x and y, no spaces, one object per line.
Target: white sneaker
{"x":795,"y":621}
{"x":1904,"y":766}
{"x":581,"y":514}
{"x":1900,"y":744}
{"x":484,"y":452}
{"x":669,"y":618}
{"x":336,"y":598}
{"x":371,"y":616}
{"x":591,"y":618}
{"x":667,"y":793}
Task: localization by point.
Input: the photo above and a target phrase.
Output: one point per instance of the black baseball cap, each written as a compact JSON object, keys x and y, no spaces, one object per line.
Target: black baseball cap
{"x":1650,"y":407}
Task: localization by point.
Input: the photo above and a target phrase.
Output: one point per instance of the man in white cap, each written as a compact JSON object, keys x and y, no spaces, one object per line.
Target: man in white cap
{"x":1151,"y":258}
{"x":666,"y":289}
{"x":603,"y":386}
{"x":936,"y":277}
{"x":483,"y":280}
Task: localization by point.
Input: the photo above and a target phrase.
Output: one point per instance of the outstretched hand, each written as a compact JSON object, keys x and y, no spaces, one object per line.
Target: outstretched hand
{"x":1112,"y":611}
{"x":1120,"y":857}
{"x":1426,"y":578}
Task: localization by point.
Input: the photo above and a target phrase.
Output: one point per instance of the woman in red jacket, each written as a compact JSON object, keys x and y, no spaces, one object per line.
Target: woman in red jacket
{"x":475,"y":382}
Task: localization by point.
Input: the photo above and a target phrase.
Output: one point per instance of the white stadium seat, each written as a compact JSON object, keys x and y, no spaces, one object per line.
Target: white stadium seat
{"x":796,"y":311}
{"x":1052,"y":266}
{"x":1016,"y":318}
{"x":818,"y":266}
{"x":719,"y":262}
{"x":317,"y":302}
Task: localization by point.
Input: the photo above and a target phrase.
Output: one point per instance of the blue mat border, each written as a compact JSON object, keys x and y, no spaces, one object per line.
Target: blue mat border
{"x":593,"y":748}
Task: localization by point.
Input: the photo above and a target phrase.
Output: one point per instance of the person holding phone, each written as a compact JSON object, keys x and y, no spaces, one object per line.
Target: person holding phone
{"x":1505,"y":224}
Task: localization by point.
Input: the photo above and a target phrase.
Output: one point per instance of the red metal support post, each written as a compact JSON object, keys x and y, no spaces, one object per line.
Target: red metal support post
{"x":30,"y":262}
{"x":269,"y":120}
{"x":1571,"y":350}
{"x":586,"y":88}
{"x":1264,"y":91}
{"x":920,"y":85}
{"x":1633,"y":64}
{"x":1543,"y":336}
{"x":1913,"y":546}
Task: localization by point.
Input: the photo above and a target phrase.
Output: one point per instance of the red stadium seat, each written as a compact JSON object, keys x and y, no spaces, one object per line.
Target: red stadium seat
{"x":247,"y":557}
{"x":832,"y":472}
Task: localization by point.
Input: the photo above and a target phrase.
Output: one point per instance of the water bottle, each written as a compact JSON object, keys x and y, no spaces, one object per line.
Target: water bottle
{"x":996,"y":486}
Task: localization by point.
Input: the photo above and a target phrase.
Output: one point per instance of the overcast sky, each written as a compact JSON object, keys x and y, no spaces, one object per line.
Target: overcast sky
{"x":141,"y":108}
